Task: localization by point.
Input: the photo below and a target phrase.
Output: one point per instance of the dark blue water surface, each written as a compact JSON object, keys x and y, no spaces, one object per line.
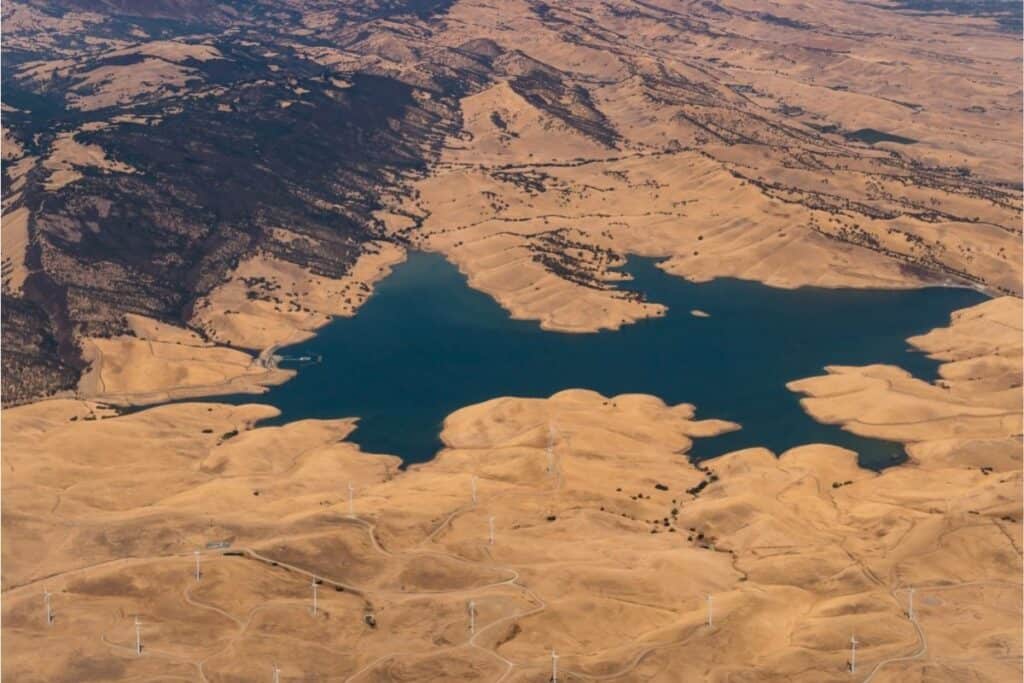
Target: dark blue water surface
{"x":425,"y":344}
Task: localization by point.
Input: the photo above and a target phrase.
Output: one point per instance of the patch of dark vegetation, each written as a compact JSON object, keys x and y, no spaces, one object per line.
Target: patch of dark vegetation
{"x":498,"y":121}
{"x":574,"y":260}
{"x":784,"y":21}
{"x":1008,"y":15}
{"x":509,"y":635}
{"x":823,"y":128}
{"x":215,"y":179}
{"x":33,"y":363}
{"x":709,"y":478}
{"x":547,"y":89}
{"x":177,"y":16}
{"x":871,"y":136}
{"x":695,"y":490}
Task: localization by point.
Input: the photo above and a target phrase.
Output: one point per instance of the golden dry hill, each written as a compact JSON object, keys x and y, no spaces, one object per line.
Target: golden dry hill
{"x":607,"y":541}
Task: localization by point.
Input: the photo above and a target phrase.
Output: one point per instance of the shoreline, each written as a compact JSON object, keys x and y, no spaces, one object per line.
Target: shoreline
{"x":419,"y":437}
{"x":274,"y":376}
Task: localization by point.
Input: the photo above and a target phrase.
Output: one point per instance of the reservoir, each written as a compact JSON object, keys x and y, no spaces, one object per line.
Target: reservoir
{"x":426,"y":344}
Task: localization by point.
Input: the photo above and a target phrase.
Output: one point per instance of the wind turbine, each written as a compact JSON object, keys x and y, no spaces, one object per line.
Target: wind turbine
{"x":138,"y":636}
{"x":198,"y":573}
{"x":46,"y":602}
{"x":351,"y":501}
{"x":853,"y":654}
{"x":490,"y":526}
{"x":710,"y":611}
{"x":314,"y":595}
{"x":554,"y":666}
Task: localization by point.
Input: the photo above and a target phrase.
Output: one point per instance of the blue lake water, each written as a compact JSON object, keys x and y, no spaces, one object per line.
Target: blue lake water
{"x":425,"y":345}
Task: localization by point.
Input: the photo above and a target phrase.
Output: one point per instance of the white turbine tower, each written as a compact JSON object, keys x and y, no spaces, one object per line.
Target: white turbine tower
{"x":351,"y":500}
{"x":314,"y":595}
{"x":198,"y":573}
{"x":910,"y":605}
{"x":472,"y":488}
{"x":490,"y":530}
{"x":711,"y":618}
{"x":138,"y":636}
{"x":853,"y":654}
{"x":277,"y":674}
{"x":46,"y":602}
{"x":554,"y":666}
{"x":472,"y":617}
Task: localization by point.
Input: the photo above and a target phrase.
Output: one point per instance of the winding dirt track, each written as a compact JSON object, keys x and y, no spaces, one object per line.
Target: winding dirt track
{"x":922,"y":649}
{"x":511,"y":581}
